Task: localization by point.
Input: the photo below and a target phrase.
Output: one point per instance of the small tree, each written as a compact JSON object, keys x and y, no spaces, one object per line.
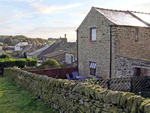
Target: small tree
{"x":4,"y":56}
{"x":25,"y":55}
{"x":51,"y":63}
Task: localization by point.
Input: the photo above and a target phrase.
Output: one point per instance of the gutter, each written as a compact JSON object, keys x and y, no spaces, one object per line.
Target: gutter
{"x":77,"y":53}
{"x":110,"y":52}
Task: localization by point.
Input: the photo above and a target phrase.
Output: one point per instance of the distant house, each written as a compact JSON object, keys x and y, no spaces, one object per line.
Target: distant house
{"x":61,"y":40}
{"x":114,"y":43}
{"x":57,"y":55}
{"x":37,"y":52}
{"x":20,"y":45}
{"x":51,"y":39}
{"x":50,"y":49}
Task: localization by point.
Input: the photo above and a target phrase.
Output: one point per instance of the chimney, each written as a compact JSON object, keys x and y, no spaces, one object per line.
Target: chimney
{"x":60,"y":36}
{"x":65,"y":35}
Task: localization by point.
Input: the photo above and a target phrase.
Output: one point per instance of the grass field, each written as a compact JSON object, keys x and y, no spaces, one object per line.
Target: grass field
{"x":14,"y":99}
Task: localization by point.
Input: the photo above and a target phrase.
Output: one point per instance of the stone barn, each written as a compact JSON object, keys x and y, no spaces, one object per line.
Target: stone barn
{"x":114,"y":43}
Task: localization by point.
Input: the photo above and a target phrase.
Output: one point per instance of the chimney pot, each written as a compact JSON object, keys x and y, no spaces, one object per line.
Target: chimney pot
{"x":65,"y":35}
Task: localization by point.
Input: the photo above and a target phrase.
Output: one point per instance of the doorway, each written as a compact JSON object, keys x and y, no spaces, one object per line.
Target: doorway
{"x":138,"y":72}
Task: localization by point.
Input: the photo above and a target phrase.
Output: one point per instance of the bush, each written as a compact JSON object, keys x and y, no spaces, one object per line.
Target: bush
{"x":20,"y":63}
{"x":4,"y":56}
{"x":32,"y":62}
{"x":9,"y":62}
{"x":51,"y":63}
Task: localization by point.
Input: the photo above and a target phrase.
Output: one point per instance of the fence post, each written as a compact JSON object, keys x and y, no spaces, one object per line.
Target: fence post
{"x":108,"y":83}
{"x":131,"y":90}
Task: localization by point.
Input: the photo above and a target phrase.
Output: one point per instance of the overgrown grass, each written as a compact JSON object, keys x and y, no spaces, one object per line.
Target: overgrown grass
{"x":14,"y":99}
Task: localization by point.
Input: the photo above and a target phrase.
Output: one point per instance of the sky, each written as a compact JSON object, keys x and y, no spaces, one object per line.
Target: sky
{"x":54,"y":18}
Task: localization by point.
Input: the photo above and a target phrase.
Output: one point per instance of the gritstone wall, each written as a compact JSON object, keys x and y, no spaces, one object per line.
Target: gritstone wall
{"x":72,"y":97}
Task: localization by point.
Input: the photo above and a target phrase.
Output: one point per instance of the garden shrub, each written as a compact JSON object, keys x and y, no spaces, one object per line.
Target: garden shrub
{"x":32,"y":62}
{"x":4,"y":56}
{"x":51,"y":63}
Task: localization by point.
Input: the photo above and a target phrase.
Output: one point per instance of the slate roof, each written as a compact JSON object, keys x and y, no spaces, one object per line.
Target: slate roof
{"x":49,"y":50}
{"x":49,"y":55}
{"x":39,"y":50}
{"x":127,"y":18}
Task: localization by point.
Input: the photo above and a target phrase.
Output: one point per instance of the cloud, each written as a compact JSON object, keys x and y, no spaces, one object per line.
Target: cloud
{"x":45,"y":9}
{"x":18,"y":15}
{"x":138,"y":1}
{"x":143,"y":8}
{"x":58,"y":21}
{"x":23,"y":0}
{"x":79,"y":13}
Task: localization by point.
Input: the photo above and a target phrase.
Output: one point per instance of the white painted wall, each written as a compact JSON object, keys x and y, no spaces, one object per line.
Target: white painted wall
{"x":68,"y":58}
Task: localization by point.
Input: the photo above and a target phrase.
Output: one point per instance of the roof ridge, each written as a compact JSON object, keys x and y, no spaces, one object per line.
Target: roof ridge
{"x":111,"y":9}
{"x":139,"y":12}
{"x":122,"y":10}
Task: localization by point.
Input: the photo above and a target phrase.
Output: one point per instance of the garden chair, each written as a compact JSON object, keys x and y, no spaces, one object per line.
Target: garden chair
{"x":74,"y":75}
{"x":68,"y":77}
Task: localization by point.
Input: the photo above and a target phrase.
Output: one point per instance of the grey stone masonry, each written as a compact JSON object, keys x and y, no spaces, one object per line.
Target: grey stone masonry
{"x":98,"y":51}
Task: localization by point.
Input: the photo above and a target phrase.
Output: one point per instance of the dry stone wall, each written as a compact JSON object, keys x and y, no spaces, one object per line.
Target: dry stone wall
{"x":77,"y":97}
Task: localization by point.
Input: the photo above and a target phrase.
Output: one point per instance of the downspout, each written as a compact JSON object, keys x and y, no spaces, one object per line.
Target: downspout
{"x":110,"y":52}
{"x":77,"y":54}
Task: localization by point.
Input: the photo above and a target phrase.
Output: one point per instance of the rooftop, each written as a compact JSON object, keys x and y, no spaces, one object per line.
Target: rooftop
{"x":129,"y":18}
{"x":54,"y":54}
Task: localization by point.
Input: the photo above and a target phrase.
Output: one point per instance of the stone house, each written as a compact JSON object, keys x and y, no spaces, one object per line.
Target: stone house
{"x":20,"y":45}
{"x":61,"y":40}
{"x":37,"y":52}
{"x":114,"y":43}
{"x":57,"y":55}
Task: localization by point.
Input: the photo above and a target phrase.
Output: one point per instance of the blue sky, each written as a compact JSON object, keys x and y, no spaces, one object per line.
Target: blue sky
{"x":54,"y":18}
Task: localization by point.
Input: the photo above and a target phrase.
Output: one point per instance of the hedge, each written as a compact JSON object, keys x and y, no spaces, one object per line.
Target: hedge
{"x":9,"y":62}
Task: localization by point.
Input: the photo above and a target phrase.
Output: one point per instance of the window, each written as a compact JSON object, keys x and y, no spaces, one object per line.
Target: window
{"x":93,"y":68}
{"x":93,"y":34}
{"x":136,"y":35}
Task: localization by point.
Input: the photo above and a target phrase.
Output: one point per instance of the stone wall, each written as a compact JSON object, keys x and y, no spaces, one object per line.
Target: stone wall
{"x":98,"y":51}
{"x":125,"y":44}
{"x":77,"y":97}
{"x":126,"y":67}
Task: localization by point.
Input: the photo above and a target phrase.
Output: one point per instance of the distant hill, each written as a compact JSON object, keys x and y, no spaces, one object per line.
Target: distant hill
{"x":13,"y":40}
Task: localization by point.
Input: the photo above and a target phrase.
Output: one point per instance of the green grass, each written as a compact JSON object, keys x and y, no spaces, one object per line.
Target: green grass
{"x":14,"y":99}
{"x":51,"y":42}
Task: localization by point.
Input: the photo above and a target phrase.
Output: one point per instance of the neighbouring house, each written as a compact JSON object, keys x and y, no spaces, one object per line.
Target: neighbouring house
{"x":57,"y":55}
{"x":61,"y":40}
{"x":25,"y":49}
{"x":9,"y":50}
{"x":114,"y":43}
{"x":37,"y":52}
{"x":20,"y":45}
{"x":70,"y":58}
{"x":50,"y":49}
